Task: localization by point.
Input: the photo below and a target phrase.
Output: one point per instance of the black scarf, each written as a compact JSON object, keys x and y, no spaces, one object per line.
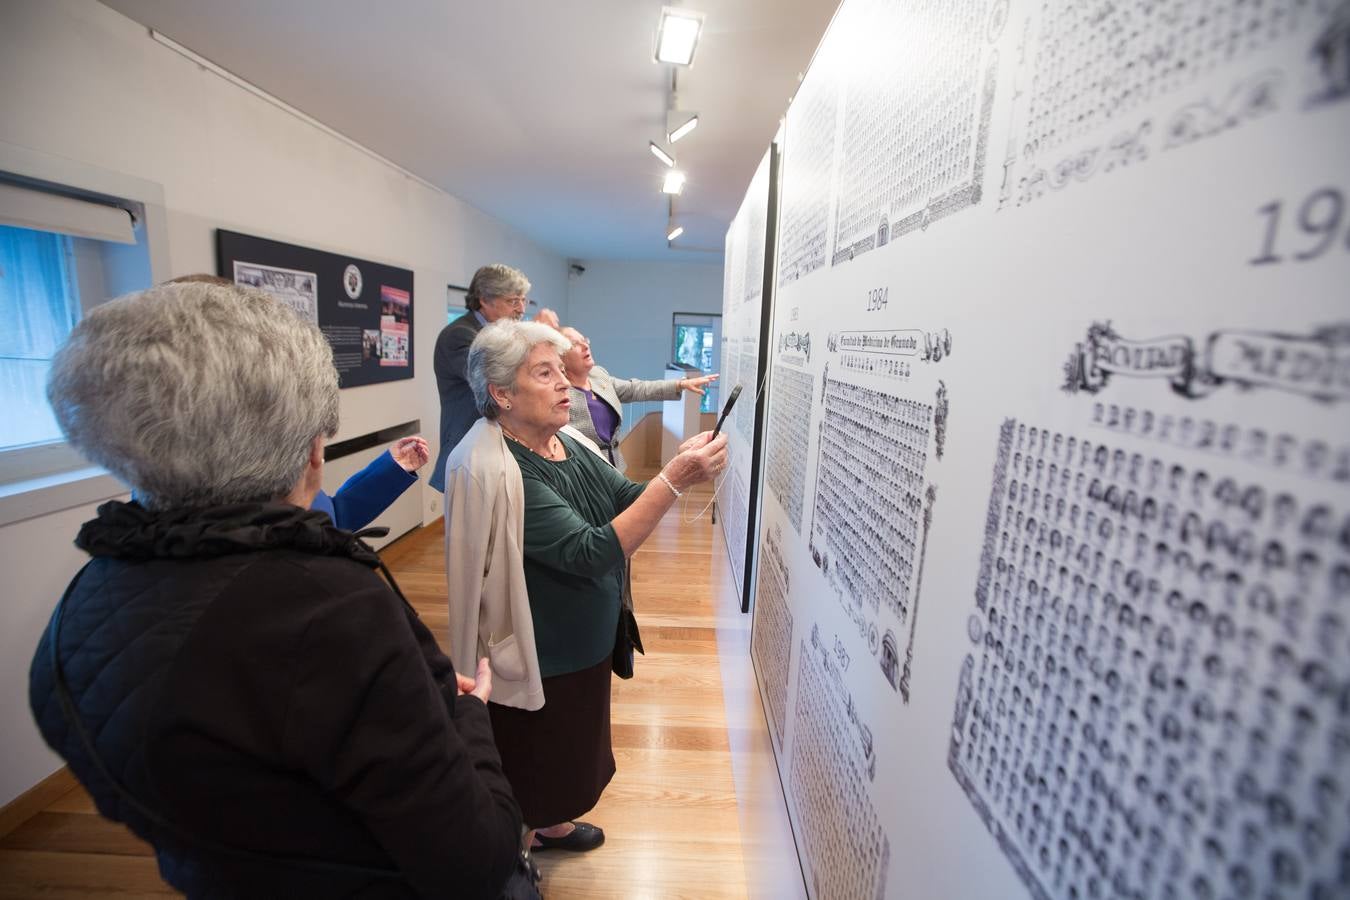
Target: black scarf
{"x":130,"y":531}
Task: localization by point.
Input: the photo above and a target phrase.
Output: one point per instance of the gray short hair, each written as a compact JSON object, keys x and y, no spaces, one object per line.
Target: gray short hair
{"x":196,"y":394}
{"x":496,"y":280}
{"x":498,"y":353}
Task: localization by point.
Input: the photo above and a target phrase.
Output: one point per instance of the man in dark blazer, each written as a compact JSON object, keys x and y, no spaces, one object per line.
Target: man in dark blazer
{"x":496,"y":292}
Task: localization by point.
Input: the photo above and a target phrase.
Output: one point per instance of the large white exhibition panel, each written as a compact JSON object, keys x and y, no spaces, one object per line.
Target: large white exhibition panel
{"x":742,"y":302}
{"x":1053,"y":594}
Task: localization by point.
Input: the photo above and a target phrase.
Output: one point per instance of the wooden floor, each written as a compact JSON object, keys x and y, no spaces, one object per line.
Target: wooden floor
{"x":671,"y":815}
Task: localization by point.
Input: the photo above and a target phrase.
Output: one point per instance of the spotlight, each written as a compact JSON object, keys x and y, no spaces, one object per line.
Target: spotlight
{"x":676,"y":133}
{"x":661,"y":154}
{"x":674,"y":182}
{"x":677,"y":35}
{"x":674,"y":232}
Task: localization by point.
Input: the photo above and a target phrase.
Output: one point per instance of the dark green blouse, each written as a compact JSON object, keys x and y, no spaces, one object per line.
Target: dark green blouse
{"x":573,"y":561}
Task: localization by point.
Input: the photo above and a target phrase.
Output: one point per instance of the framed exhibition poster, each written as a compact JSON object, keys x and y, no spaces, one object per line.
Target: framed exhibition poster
{"x":365,"y":309}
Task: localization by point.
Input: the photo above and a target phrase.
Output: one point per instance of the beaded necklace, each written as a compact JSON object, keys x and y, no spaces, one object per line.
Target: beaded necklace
{"x":551,"y":455}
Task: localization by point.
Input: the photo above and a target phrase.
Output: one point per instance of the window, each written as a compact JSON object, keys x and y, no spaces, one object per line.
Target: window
{"x":71,"y":237}
{"x":39,"y":304}
{"x":694,"y":343}
{"x":454,"y":303}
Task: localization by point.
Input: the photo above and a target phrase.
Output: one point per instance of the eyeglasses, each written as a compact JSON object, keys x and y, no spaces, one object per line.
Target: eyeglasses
{"x":513,"y":302}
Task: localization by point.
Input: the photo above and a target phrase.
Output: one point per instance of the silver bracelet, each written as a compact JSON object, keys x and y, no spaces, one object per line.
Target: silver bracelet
{"x":669,"y":484}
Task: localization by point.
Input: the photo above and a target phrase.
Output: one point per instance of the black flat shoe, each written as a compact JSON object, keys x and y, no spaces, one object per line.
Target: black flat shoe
{"x":584,"y":836}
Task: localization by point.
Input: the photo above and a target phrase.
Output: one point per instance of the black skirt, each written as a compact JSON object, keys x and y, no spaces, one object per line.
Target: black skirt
{"x":558,"y":758}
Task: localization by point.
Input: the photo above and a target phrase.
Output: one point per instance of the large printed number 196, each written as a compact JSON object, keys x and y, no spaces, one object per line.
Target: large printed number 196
{"x":1318,"y":221}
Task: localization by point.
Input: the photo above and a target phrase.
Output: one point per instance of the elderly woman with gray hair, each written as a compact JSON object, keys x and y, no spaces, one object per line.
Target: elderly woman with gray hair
{"x":229,"y":675}
{"x":598,"y":397}
{"x":538,"y":530}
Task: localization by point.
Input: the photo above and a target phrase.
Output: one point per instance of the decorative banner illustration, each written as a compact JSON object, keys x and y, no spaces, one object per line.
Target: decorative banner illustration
{"x":1316,"y":365}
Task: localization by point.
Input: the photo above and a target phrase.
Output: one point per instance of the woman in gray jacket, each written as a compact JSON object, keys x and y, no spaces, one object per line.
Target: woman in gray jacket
{"x":598,"y":397}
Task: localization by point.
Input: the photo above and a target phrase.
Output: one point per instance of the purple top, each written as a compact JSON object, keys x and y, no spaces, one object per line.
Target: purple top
{"x":602,"y":417}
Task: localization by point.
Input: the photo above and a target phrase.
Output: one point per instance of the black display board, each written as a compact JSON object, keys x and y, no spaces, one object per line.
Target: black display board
{"x":365,"y":309}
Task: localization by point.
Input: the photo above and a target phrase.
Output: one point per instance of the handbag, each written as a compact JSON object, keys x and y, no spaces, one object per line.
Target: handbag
{"x":627,"y":638}
{"x":524,"y":881}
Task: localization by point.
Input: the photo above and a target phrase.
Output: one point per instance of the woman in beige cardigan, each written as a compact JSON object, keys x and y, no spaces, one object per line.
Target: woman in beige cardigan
{"x":538,"y":527}
{"x":598,"y":397}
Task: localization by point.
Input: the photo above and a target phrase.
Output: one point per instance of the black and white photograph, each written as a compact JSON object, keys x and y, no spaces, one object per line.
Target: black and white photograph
{"x":1128,"y":603}
{"x":372,"y":346}
{"x":297,"y":290}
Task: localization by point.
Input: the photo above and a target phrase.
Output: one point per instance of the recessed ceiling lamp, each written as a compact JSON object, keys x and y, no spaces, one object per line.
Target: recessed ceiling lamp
{"x":674,"y":182}
{"x":674,"y":134}
{"x":677,"y":35}
{"x":674,"y":233}
{"x":661,"y":154}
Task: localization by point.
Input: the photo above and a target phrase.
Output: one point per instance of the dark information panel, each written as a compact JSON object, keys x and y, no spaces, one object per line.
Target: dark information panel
{"x":364,"y":308}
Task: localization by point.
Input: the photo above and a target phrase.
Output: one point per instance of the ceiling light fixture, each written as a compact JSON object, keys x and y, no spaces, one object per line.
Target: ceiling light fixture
{"x":677,"y":35}
{"x":661,"y":154}
{"x":674,"y":233}
{"x":676,"y":133}
{"x":674,"y":182}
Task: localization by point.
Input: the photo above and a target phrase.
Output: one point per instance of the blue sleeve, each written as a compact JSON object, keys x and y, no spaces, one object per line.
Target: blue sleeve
{"x":324,"y":503}
{"x":368,"y":493}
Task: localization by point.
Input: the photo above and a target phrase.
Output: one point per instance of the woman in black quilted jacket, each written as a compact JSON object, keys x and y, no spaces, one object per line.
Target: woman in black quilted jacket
{"x":229,"y":675}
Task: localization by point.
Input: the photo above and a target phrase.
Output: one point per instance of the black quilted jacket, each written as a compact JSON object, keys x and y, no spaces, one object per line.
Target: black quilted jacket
{"x":246,"y":675}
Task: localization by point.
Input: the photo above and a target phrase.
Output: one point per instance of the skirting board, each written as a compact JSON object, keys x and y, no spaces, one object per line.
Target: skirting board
{"x":36,"y":799}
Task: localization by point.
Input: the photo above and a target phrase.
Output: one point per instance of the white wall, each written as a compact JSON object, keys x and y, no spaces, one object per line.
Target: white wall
{"x":625,"y":309}
{"x":84,"y":83}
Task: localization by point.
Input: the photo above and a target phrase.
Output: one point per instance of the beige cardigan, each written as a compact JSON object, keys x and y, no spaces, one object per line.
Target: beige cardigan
{"x":484,"y":564}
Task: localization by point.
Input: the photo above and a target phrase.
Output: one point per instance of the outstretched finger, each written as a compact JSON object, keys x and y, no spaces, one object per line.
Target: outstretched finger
{"x":482,"y":688}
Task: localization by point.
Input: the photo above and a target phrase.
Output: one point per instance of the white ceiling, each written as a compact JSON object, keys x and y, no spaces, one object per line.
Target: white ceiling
{"x":535,"y":111}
